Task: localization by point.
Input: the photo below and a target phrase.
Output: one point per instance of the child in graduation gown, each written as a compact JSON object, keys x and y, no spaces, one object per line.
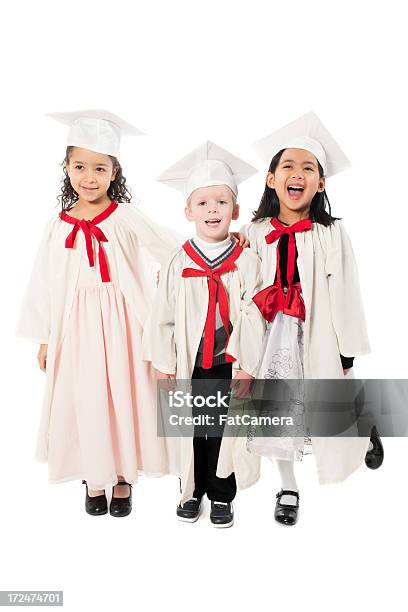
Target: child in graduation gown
{"x":86,"y":304}
{"x":311,"y":296}
{"x":205,"y":325}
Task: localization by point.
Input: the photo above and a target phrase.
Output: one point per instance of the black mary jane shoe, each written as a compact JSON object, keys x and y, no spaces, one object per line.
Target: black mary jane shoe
{"x":375,"y":456}
{"x":286,"y":514}
{"x":190,"y":511}
{"x":121,"y":506}
{"x":96,"y":506}
{"x":222,"y":514}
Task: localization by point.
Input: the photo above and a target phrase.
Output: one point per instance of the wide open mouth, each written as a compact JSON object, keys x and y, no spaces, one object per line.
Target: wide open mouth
{"x":296,"y":189}
{"x":295,"y":192}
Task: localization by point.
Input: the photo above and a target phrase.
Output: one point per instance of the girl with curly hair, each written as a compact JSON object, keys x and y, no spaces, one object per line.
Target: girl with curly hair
{"x":86,"y":304}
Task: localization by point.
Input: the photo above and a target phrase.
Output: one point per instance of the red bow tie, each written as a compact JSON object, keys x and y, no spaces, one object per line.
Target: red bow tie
{"x":215,"y":286}
{"x":90,"y":227}
{"x":272,"y":299}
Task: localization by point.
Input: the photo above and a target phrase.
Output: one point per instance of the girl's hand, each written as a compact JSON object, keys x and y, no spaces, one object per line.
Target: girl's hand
{"x":157,"y":281}
{"x":346,"y":371}
{"x":240,"y":238}
{"x":241,"y":384}
{"x":42,"y":357}
{"x":168,"y":380}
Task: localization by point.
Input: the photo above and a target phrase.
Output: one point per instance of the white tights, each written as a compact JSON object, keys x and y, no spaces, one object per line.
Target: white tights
{"x":288,"y":480}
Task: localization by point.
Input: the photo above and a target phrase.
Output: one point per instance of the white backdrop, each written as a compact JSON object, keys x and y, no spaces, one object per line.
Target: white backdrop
{"x":185,"y":72}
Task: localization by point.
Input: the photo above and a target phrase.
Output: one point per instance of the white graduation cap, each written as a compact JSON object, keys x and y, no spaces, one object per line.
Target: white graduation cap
{"x":96,"y":129}
{"x":207,"y":165}
{"x":308,"y":133}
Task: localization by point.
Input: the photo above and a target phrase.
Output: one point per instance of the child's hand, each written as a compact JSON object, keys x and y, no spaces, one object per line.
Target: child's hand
{"x":168,"y":380}
{"x":162,"y":376}
{"x":345,"y":372}
{"x":237,"y":237}
{"x":157,"y":281}
{"x":241,"y":384}
{"x":42,"y":357}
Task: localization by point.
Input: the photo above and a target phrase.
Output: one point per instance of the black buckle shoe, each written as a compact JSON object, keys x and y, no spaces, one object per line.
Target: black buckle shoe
{"x":286,"y":514}
{"x":190,"y":511}
{"x":375,"y":456}
{"x":222,"y":514}
{"x":121,"y":506}
{"x":95,"y":506}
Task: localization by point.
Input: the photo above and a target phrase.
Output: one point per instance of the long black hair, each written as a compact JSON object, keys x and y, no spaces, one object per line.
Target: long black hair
{"x":118,"y":190}
{"x":269,"y":205}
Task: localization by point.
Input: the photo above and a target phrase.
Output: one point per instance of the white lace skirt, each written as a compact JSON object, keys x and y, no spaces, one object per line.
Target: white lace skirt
{"x":283,"y":359}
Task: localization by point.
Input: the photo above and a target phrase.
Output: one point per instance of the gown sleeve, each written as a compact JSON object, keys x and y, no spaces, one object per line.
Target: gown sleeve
{"x":345,"y":295}
{"x":157,"y":240}
{"x":159,"y":345}
{"x":34,"y":320}
{"x":245,"y":343}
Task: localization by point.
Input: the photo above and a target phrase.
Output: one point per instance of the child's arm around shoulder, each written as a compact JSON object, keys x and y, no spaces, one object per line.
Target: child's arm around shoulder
{"x":159,"y":241}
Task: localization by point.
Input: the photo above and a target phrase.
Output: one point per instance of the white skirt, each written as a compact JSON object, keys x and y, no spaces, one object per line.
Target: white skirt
{"x":283,"y":359}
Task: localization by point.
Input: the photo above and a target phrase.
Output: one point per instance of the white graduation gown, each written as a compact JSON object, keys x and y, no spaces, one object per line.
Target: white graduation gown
{"x":135,"y":244}
{"x":171,"y":341}
{"x":335,"y":322}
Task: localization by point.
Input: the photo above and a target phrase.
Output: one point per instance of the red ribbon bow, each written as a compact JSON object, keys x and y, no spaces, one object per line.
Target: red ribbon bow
{"x":90,"y":227}
{"x":272,"y":299}
{"x":215,"y":286}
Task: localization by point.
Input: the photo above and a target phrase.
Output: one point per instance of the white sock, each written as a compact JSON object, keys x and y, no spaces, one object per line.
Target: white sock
{"x":287,"y":474}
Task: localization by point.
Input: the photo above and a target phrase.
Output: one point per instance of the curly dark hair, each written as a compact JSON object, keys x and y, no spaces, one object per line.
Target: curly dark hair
{"x":269,"y":205}
{"x":118,"y":190}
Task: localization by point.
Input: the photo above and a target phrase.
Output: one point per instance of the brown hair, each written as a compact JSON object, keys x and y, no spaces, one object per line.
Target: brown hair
{"x":118,"y":190}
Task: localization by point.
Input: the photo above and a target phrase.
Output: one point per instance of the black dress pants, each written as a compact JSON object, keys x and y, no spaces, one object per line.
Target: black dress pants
{"x":206,"y":447}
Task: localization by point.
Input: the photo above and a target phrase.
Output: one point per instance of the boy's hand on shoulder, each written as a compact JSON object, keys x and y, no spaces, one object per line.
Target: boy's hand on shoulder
{"x":239,"y":238}
{"x":241,"y":384}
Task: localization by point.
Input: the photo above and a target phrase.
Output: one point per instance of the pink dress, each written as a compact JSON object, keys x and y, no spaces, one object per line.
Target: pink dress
{"x":103,"y":409}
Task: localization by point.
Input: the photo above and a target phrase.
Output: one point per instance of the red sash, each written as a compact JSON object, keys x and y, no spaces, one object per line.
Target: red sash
{"x":90,"y":227}
{"x":273,"y":298}
{"x":215,"y":286}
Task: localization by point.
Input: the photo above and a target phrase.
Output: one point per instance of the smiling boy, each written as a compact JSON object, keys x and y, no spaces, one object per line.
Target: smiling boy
{"x":205,"y":321}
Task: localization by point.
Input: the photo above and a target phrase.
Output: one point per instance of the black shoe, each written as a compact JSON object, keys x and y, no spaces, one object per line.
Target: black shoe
{"x":375,"y":456}
{"x":121,"y":506}
{"x":286,"y":514}
{"x":222,"y":514}
{"x":190,"y":511}
{"x":95,"y":505}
